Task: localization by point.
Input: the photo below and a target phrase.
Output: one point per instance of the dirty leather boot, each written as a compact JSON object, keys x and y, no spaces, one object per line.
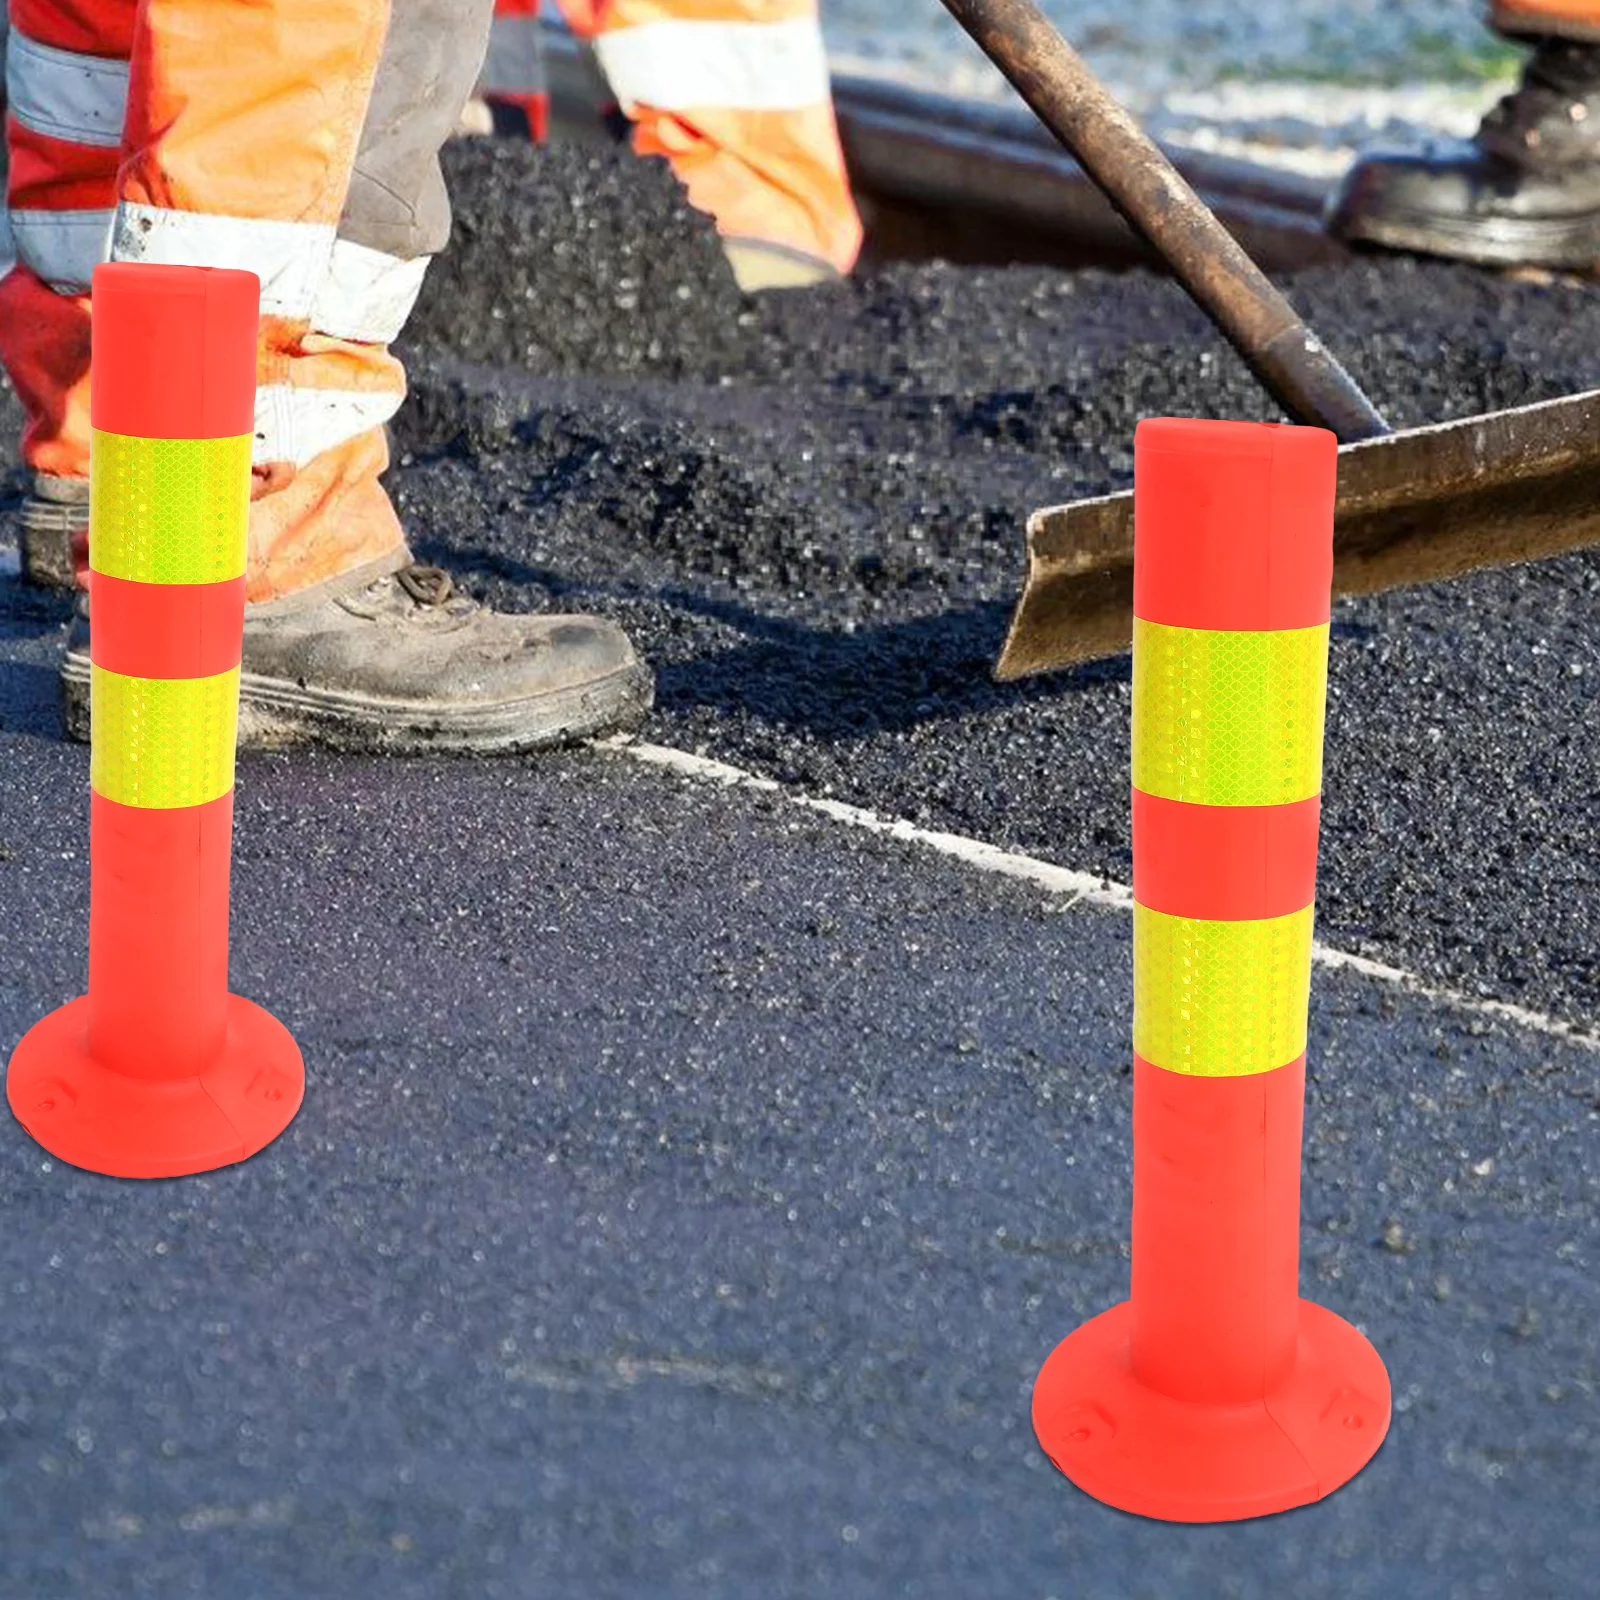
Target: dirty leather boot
{"x":1524,"y":192}
{"x":55,"y":531}
{"x":401,"y":663}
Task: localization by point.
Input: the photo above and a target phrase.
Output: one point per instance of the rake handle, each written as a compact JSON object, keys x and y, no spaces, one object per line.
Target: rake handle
{"x":1133,"y":174}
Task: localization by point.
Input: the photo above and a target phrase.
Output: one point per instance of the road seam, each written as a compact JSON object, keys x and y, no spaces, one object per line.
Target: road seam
{"x":1077,"y":887}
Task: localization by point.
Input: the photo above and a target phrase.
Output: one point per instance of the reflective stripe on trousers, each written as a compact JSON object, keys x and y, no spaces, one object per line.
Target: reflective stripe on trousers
{"x":222,"y":131}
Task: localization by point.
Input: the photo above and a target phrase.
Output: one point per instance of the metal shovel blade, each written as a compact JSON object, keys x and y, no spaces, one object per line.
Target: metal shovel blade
{"x":1412,"y":507}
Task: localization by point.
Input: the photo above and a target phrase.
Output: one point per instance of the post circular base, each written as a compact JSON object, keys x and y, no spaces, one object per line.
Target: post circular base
{"x":126,"y":1127}
{"x":1186,"y":1461}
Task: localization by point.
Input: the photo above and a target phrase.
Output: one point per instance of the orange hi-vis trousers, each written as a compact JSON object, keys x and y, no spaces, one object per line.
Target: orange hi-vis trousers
{"x":733,"y":93}
{"x":296,"y":138}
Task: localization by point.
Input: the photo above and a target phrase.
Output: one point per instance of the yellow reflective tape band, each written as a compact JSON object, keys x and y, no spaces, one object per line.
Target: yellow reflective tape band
{"x":1228,"y":719}
{"x":1220,"y":999}
{"x":168,"y":510}
{"x":161,"y":743}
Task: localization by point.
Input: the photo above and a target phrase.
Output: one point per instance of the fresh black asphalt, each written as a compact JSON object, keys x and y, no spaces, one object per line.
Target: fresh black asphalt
{"x":809,"y":512}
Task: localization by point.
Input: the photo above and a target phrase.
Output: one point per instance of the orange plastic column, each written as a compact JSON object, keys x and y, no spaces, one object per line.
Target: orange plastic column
{"x":1214,"y":1392}
{"x":159,"y":1070}
{"x":169,"y":500}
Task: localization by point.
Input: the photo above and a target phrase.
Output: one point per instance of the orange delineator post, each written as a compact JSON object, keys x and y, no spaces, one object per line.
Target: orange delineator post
{"x":1214,"y":1392}
{"x":158,"y":1070}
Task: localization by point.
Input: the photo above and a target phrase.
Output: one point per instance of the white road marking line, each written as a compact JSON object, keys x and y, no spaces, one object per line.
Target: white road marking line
{"x":1078,"y":887}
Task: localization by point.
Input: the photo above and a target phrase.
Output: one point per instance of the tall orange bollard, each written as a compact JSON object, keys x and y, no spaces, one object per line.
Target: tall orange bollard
{"x":1214,"y":1392}
{"x":158,"y":1070}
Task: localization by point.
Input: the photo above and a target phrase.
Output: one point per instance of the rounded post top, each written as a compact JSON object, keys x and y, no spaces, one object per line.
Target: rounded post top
{"x":173,"y":351}
{"x":1233,"y":524}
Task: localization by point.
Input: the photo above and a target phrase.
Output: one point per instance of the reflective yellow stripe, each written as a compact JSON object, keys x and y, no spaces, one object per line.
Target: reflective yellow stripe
{"x":162,"y":743}
{"x":168,"y":510}
{"x":1228,"y":719}
{"x":1220,"y":999}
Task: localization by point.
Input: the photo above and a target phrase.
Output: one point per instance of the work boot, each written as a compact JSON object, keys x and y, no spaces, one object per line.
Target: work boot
{"x":402,"y":664}
{"x":55,"y":531}
{"x":1524,"y":192}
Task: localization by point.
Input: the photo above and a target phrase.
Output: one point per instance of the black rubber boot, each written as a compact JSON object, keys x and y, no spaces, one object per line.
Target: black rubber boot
{"x":1524,"y":192}
{"x":402,"y":664}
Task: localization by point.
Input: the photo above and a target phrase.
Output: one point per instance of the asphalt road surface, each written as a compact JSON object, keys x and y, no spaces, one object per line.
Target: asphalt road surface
{"x":687,"y":1189}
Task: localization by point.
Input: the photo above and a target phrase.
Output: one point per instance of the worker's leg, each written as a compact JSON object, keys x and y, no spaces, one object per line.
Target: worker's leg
{"x":735,"y":94}
{"x":232,"y":156}
{"x":514,"y":95}
{"x":1526,"y":190}
{"x":299,"y":139}
{"x":67,"y":75}
{"x":240,"y":142}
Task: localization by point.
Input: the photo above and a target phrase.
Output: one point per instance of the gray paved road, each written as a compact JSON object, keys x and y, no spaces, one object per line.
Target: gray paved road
{"x":808,"y":513}
{"x":687,"y":1191}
